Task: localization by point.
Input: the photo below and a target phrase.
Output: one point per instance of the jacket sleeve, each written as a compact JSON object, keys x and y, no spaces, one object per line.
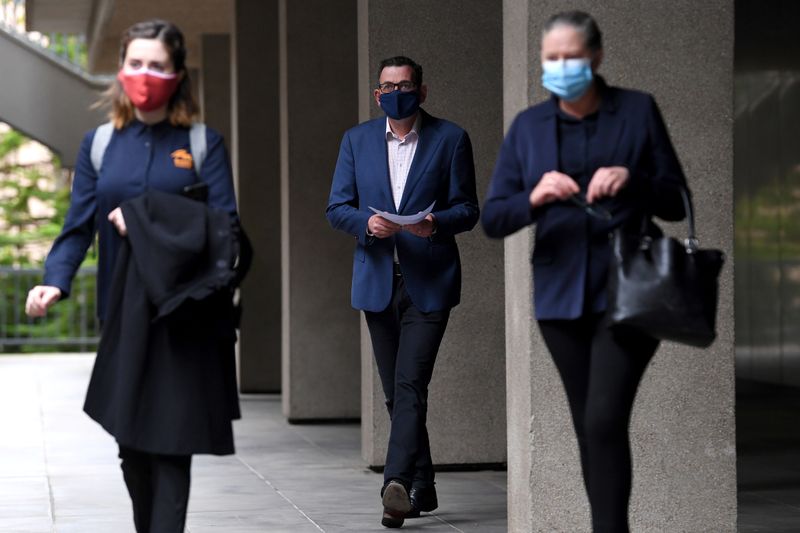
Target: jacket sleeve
{"x":69,"y":248}
{"x":462,"y":212}
{"x":507,"y":208}
{"x":662,"y":190}
{"x":343,"y":206}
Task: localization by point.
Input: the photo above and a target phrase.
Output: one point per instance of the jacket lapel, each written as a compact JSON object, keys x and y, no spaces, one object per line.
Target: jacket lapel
{"x":546,"y":145}
{"x":610,"y":126}
{"x":429,"y":139}
{"x":378,"y":150}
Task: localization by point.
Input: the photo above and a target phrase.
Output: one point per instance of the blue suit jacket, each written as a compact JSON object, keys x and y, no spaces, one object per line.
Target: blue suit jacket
{"x":442,"y":171}
{"x":630,"y":133}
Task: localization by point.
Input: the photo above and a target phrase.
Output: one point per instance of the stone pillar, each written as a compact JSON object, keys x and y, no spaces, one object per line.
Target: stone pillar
{"x":256,"y":163}
{"x":215,"y":83}
{"x":459,"y":45}
{"x":319,"y":101}
{"x":683,"y":423}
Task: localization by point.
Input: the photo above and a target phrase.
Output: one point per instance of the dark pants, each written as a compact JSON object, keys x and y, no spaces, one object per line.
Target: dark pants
{"x":405,"y":341}
{"x":159,"y":489}
{"x":601,"y":369}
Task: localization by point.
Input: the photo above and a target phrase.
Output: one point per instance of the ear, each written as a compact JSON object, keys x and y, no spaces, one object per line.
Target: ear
{"x":423,"y":93}
{"x":596,"y":60}
{"x":377,"y":94}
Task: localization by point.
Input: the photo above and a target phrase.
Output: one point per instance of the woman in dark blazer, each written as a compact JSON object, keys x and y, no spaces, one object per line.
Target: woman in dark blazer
{"x":590,"y":159}
{"x":175,"y":396}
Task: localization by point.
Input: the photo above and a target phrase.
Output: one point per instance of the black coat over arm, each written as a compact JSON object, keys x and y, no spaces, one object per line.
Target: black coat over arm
{"x":164,"y":380}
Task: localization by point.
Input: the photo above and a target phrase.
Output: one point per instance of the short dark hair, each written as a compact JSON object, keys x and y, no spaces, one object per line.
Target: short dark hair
{"x":403,"y":61}
{"x":582,"y":22}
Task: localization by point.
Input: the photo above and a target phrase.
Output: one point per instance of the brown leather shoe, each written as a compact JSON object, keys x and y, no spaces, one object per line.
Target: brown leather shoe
{"x":396,"y":504}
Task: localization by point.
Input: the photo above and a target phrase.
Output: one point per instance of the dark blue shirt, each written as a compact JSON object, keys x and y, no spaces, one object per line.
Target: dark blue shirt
{"x":575,"y":137}
{"x":138,"y":157}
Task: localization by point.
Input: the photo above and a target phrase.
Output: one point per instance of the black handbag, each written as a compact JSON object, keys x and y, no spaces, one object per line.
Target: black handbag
{"x":663,"y":287}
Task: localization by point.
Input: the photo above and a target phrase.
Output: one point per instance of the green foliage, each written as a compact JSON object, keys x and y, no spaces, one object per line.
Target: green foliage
{"x":10,"y":142}
{"x":22,"y":242}
{"x":71,"y":47}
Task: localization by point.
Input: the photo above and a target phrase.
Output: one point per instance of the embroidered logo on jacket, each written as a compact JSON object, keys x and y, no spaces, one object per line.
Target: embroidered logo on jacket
{"x":182,"y":158}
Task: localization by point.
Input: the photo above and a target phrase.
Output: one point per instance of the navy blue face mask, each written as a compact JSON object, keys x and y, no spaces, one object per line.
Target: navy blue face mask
{"x":399,"y":105}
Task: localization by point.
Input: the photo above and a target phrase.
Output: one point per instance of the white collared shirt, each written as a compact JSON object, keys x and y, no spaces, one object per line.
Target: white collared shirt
{"x":401,"y":154}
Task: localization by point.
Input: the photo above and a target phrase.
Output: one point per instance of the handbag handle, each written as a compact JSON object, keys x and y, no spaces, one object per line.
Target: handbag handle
{"x":691,"y":242}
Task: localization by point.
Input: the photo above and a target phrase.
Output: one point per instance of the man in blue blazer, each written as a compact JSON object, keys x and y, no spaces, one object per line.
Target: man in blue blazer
{"x":406,"y":278}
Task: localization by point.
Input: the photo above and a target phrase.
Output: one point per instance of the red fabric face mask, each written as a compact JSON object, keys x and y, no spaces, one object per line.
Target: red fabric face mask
{"x":148,"y":89}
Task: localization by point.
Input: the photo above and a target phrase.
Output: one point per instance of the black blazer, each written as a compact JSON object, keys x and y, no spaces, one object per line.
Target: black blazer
{"x":165,"y":379}
{"x":630,"y":133}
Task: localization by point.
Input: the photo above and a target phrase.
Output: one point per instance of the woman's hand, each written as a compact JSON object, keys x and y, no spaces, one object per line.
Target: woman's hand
{"x":607,"y":181}
{"x":552,"y":187}
{"x":40,"y":298}
{"x":116,"y":218}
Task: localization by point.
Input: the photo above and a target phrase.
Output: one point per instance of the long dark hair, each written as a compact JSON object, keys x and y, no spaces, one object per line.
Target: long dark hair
{"x":182,"y":106}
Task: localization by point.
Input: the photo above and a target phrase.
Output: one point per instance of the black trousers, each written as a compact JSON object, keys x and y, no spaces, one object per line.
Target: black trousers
{"x":601,"y":369}
{"x":159,"y":489}
{"x":405,"y":341}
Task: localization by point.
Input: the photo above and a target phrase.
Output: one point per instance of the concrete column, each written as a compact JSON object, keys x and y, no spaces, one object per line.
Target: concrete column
{"x":459,"y":45}
{"x":215,"y":82}
{"x":319,"y":101}
{"x":683,"y":423}
{"x":256,"y":164}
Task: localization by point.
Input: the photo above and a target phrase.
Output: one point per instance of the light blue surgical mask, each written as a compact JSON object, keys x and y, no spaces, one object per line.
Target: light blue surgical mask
{"x":569,"y":79}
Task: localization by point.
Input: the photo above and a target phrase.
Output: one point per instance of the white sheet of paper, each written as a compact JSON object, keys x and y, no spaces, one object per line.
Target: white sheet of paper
{"x":404,"y":220}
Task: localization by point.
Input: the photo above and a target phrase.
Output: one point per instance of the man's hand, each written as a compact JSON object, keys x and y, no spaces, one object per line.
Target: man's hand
{"x":552,"y":187}
{"x":116,"y":218}
{"x":40,"y":298}
{"x":424,"y":228}
{"x":381,"y":228}
{"x":607,"y":181}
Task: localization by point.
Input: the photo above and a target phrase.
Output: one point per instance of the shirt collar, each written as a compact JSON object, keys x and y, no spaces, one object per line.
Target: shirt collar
{"x":608,"y":98}
{"x":414,"y":130}
{"x":138,"y":127}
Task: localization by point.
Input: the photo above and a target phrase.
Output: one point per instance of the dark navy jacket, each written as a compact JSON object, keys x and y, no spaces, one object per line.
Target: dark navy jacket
{"x":442,"y":171}
{"x":138,"y":157}
{"x":630,"y":133}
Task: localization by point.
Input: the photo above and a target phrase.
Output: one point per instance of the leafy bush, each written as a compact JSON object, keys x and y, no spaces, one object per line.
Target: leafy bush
{"x":25,"y":236}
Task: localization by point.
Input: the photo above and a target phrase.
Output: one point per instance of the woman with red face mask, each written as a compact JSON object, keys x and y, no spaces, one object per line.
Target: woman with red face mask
{"x":177,"y":401}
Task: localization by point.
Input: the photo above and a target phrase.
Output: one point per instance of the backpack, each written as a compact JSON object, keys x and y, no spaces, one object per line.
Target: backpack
{"x":197,"y":144}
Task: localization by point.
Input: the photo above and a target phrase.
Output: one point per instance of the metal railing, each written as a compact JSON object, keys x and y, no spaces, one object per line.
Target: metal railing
{"x":71,"y":325}
{"x":71,"y":49}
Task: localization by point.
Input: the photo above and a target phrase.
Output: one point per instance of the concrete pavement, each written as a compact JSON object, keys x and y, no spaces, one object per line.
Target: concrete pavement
{"x":59,"y":471}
